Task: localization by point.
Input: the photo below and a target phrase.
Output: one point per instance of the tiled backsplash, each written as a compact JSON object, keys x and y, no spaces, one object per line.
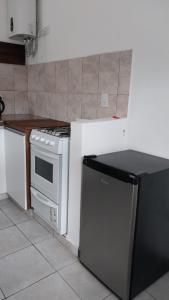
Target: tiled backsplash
{"x":69,"y":89}
{"x":13,"y":88}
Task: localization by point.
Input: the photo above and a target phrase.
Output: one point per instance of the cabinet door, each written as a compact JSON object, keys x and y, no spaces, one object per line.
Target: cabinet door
{"x":107,"y":228}
{"x":15,"y":148}
{"x":2,"y":163}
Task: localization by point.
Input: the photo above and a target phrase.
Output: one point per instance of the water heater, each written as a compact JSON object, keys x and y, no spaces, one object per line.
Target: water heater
{"x":21,"y":19}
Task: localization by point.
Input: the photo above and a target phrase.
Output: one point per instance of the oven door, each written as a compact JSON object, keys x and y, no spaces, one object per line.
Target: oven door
{"x":46,"y":172}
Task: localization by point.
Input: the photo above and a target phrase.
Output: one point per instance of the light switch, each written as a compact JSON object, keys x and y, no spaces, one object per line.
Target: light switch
{"x":104,"y":100}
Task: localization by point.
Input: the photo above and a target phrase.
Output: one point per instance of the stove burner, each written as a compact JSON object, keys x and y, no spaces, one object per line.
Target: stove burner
{"x":57,"y":131}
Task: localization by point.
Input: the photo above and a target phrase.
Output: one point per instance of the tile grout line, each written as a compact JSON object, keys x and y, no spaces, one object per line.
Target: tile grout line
{"x":150,"y":295}
{"x":31,"y":244}
{"x":30,"y":285}
{"x":55,"y":271}
{"x":14,"y":252}
{"x":2,"y":293}
{"x":70,"y":286}
{"x":34,"y":245}
{"x":13,"y":221}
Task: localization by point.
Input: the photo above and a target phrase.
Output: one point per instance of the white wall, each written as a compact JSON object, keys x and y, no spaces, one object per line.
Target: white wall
{"x":89,"y":137}
{"x":149,"y":99}
{"x":3,"y":20}
{"x":79,"y":28}
{"x":2,"y":164}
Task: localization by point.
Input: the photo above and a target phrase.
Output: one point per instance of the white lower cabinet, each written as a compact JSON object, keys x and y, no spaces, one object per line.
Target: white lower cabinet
{"x":15,"y":151}
{"x":2,"y":163}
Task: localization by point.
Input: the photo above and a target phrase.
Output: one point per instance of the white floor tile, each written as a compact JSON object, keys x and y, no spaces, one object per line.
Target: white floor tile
{"x":4,"y":221}
{"x":1,"y":295}
{"x":84,"y":283}
{"x":143,"y":296}
{"x":5,"y":202}
{"x":21,"y":269}
{"x":11,"y":240}
{"x":111,"y":297}
{"x":160,"y":289}
{"x":34,"y":231}
{"x":50,"y":288}
{"x":56,"y":253}
{"x":16,"y":214}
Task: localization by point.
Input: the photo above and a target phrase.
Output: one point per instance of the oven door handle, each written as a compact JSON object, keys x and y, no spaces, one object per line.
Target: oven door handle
{"x":46,"y":154}
{"x":44,"y":201}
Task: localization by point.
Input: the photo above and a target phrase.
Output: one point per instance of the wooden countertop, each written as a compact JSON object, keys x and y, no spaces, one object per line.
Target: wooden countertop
{"x":25,"y":123}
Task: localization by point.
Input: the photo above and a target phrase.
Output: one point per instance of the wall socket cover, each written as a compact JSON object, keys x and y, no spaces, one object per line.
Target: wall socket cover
{"x":104,"y":100}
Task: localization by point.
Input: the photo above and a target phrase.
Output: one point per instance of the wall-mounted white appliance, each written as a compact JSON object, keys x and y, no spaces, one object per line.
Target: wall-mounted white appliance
{"x":49,"y":176}
{"x":21,"y":19}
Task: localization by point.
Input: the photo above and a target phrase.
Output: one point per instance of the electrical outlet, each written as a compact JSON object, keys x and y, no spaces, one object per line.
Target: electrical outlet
{"x":104,"y":100}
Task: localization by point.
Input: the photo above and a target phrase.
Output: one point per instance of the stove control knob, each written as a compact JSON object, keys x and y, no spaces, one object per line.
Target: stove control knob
{"x":42,"y":140}
{"x":37,"y":138}
{"x":47,"y":142}
{"x":52,"y":144}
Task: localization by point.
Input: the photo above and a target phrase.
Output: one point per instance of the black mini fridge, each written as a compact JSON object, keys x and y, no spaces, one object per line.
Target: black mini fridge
{"x":124,"y":233}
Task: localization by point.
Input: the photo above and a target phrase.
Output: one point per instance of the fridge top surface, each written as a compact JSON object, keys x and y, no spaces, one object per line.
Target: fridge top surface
{"x":130,"y":162}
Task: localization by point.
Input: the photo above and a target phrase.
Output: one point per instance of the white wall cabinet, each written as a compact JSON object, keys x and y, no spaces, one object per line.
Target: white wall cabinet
{"x":15,"y":150}
{"x":2,"y":164}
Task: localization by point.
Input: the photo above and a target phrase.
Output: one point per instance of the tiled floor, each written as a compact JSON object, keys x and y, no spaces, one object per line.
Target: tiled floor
{"x":34,"y":265}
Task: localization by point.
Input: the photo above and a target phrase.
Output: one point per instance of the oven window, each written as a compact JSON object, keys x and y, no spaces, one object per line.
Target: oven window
{"x":44,"y":169}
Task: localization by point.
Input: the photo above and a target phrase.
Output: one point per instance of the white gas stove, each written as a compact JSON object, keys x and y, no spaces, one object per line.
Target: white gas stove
{"x":49,"y":175}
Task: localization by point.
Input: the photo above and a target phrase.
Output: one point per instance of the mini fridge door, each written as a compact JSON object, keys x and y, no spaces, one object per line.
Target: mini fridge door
{"x":108,"y":212}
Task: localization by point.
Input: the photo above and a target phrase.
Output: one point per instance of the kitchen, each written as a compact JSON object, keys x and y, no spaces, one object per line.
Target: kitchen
{"x":42,"y":88}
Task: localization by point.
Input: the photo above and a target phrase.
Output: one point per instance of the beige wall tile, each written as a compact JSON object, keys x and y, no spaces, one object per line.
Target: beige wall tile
{"x":9,"y":98}
{"x":69,"y":89}
{"x":89,"y":106}
{"x":90,"y":82}
{"x":75,"y":76}
{"x":36,"y":78}
{"x":61,"y":76}
{"x":124,"y":85}
{"x":6,"y":70}
{"x":91,"y":64}
{"x":74,"y":107}
{"x":125,"y":64}
{"x":49,"y":77}
{"x":31,"y":102}
{"x":21,"y":103}
{"x":52,"y":106}
{"x":109,"y":62}
{"x":122,"y":105}
{"x":110,"y":111}
{"x":126,"y":57}
{"x":41,"y":104}
{"x":108,"y":82}
{"x":6,"y":83}
{"x":20,"y":78}
{"x":61,"y":107}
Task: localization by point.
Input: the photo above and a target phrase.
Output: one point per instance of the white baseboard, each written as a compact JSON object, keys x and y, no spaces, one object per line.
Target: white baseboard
{"x":62,"y":239}
{"x":3,"y":196}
